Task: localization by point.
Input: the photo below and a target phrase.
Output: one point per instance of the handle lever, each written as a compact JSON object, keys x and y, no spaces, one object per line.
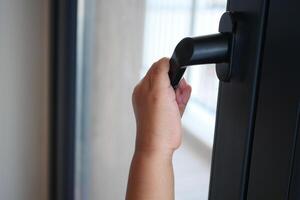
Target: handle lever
{"x":215,"y":48}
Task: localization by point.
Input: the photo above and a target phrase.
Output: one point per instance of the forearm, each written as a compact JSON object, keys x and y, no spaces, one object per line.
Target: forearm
{"x":151,"y":176}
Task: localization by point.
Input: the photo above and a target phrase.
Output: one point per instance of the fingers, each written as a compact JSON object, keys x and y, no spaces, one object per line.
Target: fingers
{"x":183,"y":93}
{"x":157,"y":79}
{"x":157,"y":76}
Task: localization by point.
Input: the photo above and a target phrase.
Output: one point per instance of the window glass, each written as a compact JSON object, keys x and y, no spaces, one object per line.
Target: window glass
{"x":166,"y":23}
{"x":117,"y":43}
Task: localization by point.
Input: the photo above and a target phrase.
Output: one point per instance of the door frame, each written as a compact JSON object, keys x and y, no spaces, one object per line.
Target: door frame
{"x":237,"y":103}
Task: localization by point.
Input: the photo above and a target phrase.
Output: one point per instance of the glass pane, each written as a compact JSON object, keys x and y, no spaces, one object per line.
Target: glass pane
{"x":117,"y":42}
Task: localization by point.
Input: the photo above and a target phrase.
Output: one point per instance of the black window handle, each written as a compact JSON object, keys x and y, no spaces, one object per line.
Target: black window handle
{"x":215,"y":48}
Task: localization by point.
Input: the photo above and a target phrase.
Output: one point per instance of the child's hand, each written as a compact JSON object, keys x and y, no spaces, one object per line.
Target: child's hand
{"x":158,"y":110}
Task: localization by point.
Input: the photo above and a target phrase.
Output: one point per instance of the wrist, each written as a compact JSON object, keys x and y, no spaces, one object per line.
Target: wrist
{"x":157,"y":143}
{"x":162,"y":154}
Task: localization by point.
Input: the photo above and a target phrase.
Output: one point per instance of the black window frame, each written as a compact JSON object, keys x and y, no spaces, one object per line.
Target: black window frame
{"x":63,"y":38}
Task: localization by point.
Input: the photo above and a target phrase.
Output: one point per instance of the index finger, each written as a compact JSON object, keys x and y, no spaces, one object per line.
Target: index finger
{"x":158,"y":73}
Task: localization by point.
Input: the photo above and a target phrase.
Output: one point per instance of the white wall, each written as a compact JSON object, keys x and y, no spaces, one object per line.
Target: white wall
{"x":23,"y":99}
{"x":117,"y":49}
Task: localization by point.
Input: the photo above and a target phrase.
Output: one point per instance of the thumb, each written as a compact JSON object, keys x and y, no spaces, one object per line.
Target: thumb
{"x":183,"y":93}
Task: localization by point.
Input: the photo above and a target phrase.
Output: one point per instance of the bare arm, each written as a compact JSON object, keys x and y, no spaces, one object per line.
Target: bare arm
{"x":151,"y":177}
{"x":158,"y":110}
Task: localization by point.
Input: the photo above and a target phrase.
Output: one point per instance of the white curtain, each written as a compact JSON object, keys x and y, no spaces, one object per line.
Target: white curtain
{"x":116,"y":63}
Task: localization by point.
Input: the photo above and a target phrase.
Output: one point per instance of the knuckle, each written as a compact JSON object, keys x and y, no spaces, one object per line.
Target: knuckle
{"x":153,"y":66}
{"x":157,"y":70}
{"x":159,"y":67}
{"x":135,"y":92}
{"x":156,"y":97}
{"x":165,"y":60}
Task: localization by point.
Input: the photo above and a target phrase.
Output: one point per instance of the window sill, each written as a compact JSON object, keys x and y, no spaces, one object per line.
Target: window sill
{"x":200,"y":123}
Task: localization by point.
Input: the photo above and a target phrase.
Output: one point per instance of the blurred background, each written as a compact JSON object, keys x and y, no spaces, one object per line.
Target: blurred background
{"x":24,"y":89}
{"x":117,"y":42}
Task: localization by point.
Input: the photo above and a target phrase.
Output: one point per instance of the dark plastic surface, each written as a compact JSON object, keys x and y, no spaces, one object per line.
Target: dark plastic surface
{"x":215,"y":48}
{"x":198,"y":50}
{"x":236,"y":104}
{"x":63,"y":100}
{"x":275,"y":163}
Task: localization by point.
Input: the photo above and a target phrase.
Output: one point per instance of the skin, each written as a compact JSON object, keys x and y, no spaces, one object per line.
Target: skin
{"x":158,"y":110}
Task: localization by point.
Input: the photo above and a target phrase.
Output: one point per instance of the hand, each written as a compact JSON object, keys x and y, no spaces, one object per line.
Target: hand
{"x":158,"y":110}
